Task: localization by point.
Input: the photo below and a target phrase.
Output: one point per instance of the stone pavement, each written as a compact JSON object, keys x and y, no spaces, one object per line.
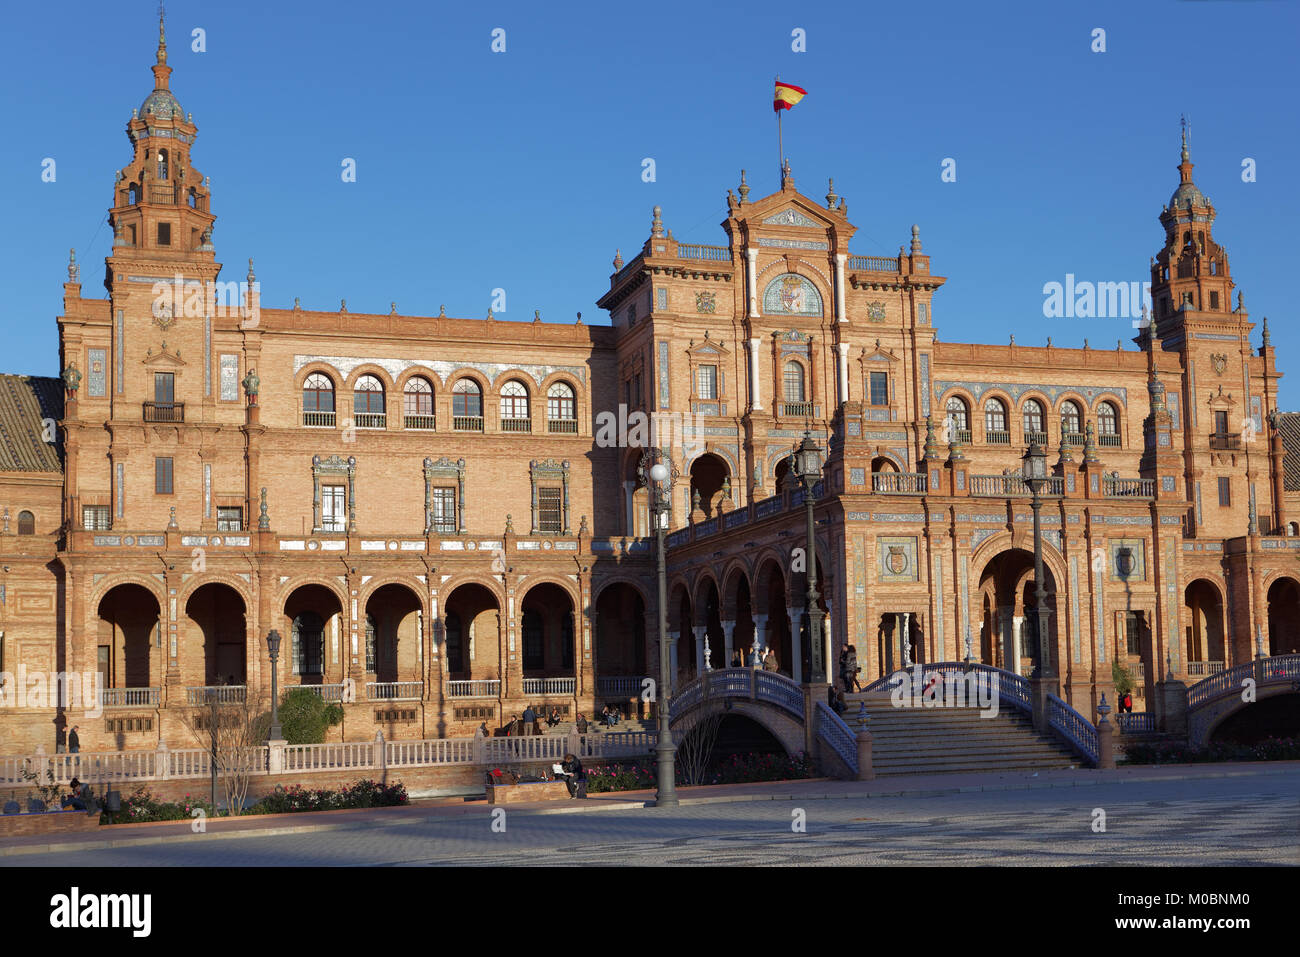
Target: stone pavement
{"x":1230,"y":814}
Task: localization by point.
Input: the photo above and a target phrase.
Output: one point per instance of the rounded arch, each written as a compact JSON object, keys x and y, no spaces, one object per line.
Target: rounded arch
{"x":1071,"y":413}
{"x":394,"y":631}
{"x":620,"y":626}
{"x":293,"y":584}
{"x":419,"y":372}
{"x":956,"y":404}
{"x":1283,"y":598}
{"x":317,"y":367}
{"x":417,"y":588}
{"x":793,"y":294}
{"x":456,"y":376}
{"x":378,"y":372}
{"x":736,"y":573}
{"x":129,"y":617}
{"x":562,"y":398}
{"x":241,"y":587}
{"x":468,"y":395}
{"x":515,"y":399}
{"x":1032,"y":413}
{"x":449,"y":587}
{"x":598,"y":588}
{"x":105,"y":585}
{"x":996,"y":410}
{"x":706,"y":590}
{"x":1004,"y":541}
{"x":796,"y":378}
{"x":567,"y":585}
{"x":471,"y":613}
{"x":1006,"y":578}
{"x":220,"y":613}
{"x":1204,"y":635}
{"x":525,"y":379}
{"x":710,"y":474}
{"x":887,"y":461}
{"x":26,"y":523}
{"x":785,"y":730}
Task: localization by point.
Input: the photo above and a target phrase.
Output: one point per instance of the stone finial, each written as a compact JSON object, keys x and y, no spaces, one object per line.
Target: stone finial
{"x":537,"y":315}
{"x":251,"y":277}
{"x":1089,"y":443}
{"x":1267,"y":339}
{"x":579,"y":322}
{"x":695,"y":500}
{"x":582,"y":527}
{"x":263,"y":519}
{"x":297,"y":304}
{"x":618,"y":259}
{"x":1049,"y":342}
{"x":787,"y":176}
{"x":442,"y":312}
{"x":74,"y":273}
{"x":1013,"y":339}
{"x":931,"y":443}
{"x":171,"y":522}
{"x":510,"y":524}
{"x":489,"y":315}
{"x":392,"y":308}
{"x":916,"y":239}
{"x":732,"y":203}
{"x":1085,"y":344}
{"x":1241,"y":301}
{"x":830,"y":193}
{"x":657,"y":223}
{"x":343,"y":305}
{"x":743,"y":189}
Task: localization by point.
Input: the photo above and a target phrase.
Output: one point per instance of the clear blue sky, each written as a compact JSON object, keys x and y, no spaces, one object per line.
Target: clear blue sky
{"x":522,"y":170}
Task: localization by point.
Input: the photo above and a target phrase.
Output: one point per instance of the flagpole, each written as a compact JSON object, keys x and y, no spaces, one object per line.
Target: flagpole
{"x":780,"y":143}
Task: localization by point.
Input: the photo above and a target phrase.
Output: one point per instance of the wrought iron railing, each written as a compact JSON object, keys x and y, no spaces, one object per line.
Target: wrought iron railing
{"x":164,"y":411}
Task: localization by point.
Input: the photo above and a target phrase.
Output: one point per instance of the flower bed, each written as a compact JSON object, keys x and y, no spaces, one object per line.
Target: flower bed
{"x":1270,"y":749}
{"x":738,"y":769}
{"x":143,"y":807}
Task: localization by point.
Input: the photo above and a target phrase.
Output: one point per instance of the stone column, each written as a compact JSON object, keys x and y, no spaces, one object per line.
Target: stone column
{"x":904,"y":634}
{"x":700,"y":632}
{"x":728,"y":629}
{"x":1017,"y":640}
{"x":839,"y":290}
{"x":828,"y":645}
{"x":844,"y":371}
{"x":755,"y":389}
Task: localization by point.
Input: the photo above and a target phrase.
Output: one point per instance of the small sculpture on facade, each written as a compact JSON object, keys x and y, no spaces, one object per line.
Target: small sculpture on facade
{"x":251,"y":384}
{"x":263,"y":519}
{"x":71,"y":380}
{"x":74,"y":271}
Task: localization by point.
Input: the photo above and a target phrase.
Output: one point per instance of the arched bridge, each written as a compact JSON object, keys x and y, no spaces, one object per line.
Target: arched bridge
{"x":1212,"y":700}
{"x":775,"y":702}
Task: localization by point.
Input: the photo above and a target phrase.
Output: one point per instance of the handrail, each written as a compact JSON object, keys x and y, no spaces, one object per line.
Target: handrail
{"x":1010,"y":688}
{"x":1073,"y":727}
{"x":833,"y":731}
{"x":1229,"y":681}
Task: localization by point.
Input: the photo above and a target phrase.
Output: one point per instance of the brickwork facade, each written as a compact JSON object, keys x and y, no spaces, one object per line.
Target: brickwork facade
{"x":443,"y":518}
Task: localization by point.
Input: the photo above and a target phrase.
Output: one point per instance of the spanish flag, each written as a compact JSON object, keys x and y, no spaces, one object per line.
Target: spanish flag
{"x":787,"y":95}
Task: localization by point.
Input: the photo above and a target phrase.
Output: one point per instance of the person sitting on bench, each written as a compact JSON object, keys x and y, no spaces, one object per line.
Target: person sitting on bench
{"x":574,"y":776}
{"x":75,"y":799}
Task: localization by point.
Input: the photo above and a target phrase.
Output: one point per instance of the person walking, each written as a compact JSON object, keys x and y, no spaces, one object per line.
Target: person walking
{"x":74,"y":742}
{"x":582,"y":723}
{"x":851,"y":670}
{"x":530,"y":716}
{"x":61,"y":740}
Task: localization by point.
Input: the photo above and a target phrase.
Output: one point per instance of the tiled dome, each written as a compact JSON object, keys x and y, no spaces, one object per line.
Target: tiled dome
{"x":161,"y":104}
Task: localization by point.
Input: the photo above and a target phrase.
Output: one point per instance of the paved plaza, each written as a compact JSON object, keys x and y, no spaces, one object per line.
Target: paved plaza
{"x":1161,"y":817}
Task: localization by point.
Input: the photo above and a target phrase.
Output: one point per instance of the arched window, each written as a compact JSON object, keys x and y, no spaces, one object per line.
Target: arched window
{"x":318,"y":400}
{"x":514,"y":407}
{"x":368,"y":403}
{"x":561,"y":408}
{"x":959,"y":415}
{"x":417,"y":403}
{"x":26,"y":523}
{"x":995,"y":422}
{"x":467,"y":406}
{"x":1071,"y":419}
{"x":162,"y":164}
{"x":1033,"y":414}
{"x":792,"y":389}
{"x":307,"y":641}
{"x":1108,"y":424}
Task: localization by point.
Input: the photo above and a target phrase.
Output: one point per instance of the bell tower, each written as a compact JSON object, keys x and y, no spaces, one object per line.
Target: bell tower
{"x":160,"y":212}
{"x":1191,"y":272}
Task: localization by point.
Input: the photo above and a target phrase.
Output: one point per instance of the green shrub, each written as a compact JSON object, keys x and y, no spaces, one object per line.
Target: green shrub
{"x":641,"y":774}
{"x":359,"y":794}
{"x":1165,"y":752}
{"x":1121,"y":677}
{"x":305,"y":716}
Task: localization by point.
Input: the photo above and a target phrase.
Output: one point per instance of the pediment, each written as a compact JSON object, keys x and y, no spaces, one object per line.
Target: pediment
{"x":791,"y":216}
{"x":163,"y":358}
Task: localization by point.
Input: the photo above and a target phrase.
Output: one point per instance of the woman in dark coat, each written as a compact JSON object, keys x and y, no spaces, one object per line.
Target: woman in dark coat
{"x":574,"y":776}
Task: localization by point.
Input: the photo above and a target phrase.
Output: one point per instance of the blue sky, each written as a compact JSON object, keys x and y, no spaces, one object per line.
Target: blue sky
{"x":522,"y":170}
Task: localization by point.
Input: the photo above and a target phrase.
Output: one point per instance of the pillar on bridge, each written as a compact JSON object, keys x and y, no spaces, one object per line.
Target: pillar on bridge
{"x":1171,"y":706}
{"x":700,"y":632}
{"x":796,"y":647}
{"x":728,"y":629}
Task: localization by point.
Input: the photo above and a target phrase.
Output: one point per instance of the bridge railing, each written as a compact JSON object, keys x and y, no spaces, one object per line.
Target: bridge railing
{"x":765,"y":686}
{"x":1073,"y":727}
{"x":1011,"y":689}
{"x":832,"y":731}
{"x":1276,"y":668}
{"x":1135,"y":722}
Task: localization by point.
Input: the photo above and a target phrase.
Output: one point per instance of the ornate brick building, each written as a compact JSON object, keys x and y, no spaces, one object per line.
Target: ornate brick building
{"x":435,"y":516}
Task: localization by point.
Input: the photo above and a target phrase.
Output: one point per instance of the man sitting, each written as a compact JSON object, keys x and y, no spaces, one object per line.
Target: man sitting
{"x":76,"y":800}
{"x":574,"y":776}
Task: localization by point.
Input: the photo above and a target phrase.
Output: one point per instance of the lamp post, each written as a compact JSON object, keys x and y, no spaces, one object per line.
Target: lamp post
{"x":806,"y":463}
{"x":1044,"y":677}
{"x":273,"y":646}
{"x":657,"y":478}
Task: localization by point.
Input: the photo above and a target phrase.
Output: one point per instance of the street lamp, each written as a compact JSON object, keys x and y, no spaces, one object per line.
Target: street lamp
{"x":657,"y":479}
{"x":806,"y":463}
{"x":1035,"y":475}
{"x":273,"y":646}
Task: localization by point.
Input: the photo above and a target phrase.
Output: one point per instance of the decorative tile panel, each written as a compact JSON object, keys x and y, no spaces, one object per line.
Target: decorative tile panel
{"x":229,"y":377}
{"x":896,"y":559}
{"x":97,"y":373}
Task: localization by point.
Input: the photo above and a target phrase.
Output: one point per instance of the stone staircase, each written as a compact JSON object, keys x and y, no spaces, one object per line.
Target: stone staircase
{"x":935,"y":740}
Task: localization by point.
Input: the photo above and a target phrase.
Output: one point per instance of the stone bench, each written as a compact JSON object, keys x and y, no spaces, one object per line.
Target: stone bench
{"x":48,"y":822}
{"x":527,"y":791}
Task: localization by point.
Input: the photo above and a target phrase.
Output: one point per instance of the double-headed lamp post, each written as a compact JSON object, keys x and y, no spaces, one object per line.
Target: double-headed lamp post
{"x":806,"y":463}
{"x":273,"y":646}
{"x":657,"y":478}
{"x":1044,"y":677}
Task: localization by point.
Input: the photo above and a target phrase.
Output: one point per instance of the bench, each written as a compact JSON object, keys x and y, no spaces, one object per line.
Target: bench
{"x":527,"y":791}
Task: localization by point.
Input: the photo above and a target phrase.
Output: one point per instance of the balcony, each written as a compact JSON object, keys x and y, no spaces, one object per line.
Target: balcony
{"x":516,"y":425}
{"x":467,"y":423}
{"x":417,"y":422}
{"x":899,"y":483}
{"x":128,"y":697}
{"x":1039,"y":437}
{"x":873,"y":263}
{"x":222,"y":694}
{"x":164,"y":411}
{"x":1203,"y":669}
{"x":1128,"y":488}
{"x":1008,"y":486}
{"x":709,"y":253}
{"x":620,"y":685}
{"x":333,"y":693}
{"x":371,"y":420}
{"x":1108,"y":440}
{"x":1075,"y":439}
{"x":961,"y":436}
{"x":568,"y":426}
{"x":1225,"y":441}
{"x":394,"y":690}
{"x":480,"y":688}
{"x":545,"y":686}
{"x":997,"y":437}
{"x":318,"y":420}
{"x":797,"y":410}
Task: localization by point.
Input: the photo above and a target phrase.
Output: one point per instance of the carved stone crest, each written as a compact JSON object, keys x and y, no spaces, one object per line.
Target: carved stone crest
{"x":1219,"y":361}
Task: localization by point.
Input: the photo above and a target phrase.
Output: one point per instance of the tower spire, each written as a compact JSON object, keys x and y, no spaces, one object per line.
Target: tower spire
{"x":162,"y":35}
